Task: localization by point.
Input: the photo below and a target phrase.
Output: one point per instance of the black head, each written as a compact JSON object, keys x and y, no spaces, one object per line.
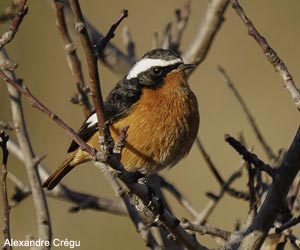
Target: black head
{"x":152,"y":68}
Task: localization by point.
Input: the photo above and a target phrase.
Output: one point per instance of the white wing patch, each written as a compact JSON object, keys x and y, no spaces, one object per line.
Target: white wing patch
{"x":92,"y":120}
{"x":146,"y":63}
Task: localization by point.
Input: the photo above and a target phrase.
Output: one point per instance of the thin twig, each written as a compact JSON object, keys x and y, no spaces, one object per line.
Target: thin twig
{"x":292,"y":222}
{"x":111,"y":33}
{"x":6,"y":207}
{"x":13,"y":28}
{"x":253,"y":199}
{"x":72,"y":58}
{"x":216,"y":174}
{"x":129,"y":44}
{"x":9,"y":12}
{"x":271,"y":55}
{"x":166,"y":37}
{"x":41,"y":107}
{"x":182,"y":17}
{"x":210,"y":230}
{"x":182,"y":199}
{"x":267,"y":148}
{"x":7,"y":126}
{"x":294,"y":240}
{"x":210,"y":207}
{"x":249,"y":157}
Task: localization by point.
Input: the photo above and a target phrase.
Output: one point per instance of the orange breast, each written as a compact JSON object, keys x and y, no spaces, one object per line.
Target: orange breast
{"x":163,"y":125}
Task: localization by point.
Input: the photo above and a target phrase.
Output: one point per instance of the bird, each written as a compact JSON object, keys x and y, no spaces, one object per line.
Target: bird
{"x":155,"y":100}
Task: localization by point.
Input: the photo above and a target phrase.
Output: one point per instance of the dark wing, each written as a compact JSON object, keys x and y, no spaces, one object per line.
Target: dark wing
{"x":87,"y":129}
{"x":120,"y":100}
{"x":117,"y":105}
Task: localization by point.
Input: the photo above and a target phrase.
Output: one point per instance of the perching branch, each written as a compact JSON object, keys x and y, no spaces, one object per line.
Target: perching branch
{"x":6,"y":207}
{"x":78,"y":200}
{"x":271,"y":55}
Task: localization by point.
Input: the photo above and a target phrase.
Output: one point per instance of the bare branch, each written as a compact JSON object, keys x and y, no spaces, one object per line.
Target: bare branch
{"x":210,"y":207}
{"x":288,"y":224}
{"x":62,"y":192}
{"x":6,"y":207}
{"x":7,"y":125}
{"x":267,"y":148}
{"x":271,"y":55}
{"x":92,"y":66}
{"x":217,"y":175}
{"x":129,"y":44}
{"x":111,"y":33}
{"x":72,"y":58}
{"x":140,"y":226}
{"x":207,"y":31}
{"x":43,"y":219}
{"x":210,"y":230}
{"x":9,"y":35}
{"x":182,"y":17}
{"x":249,"y":157}
{"x":275,"y":198}
{"x":182,"y":199}
{"x":9,"y":12}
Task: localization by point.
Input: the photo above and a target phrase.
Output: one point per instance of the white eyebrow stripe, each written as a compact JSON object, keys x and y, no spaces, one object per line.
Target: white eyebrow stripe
{"x":146,"y":63}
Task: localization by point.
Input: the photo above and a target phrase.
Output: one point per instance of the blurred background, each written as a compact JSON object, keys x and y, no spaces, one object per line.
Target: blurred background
{"x":42,"y":65}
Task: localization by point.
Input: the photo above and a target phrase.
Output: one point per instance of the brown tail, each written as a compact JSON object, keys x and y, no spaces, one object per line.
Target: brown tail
{"x":59,"y":173}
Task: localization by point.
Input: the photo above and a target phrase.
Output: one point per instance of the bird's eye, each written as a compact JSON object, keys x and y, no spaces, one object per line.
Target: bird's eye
{"x":156,"y":71}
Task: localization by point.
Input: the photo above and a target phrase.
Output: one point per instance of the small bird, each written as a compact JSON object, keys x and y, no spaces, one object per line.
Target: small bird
{"x":155,"y":100}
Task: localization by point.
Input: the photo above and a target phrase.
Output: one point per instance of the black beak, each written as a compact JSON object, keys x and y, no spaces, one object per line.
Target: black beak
{"x":183,"y":67}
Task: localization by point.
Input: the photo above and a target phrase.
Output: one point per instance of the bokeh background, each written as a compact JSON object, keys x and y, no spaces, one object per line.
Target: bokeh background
{"x":42,"y":65}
